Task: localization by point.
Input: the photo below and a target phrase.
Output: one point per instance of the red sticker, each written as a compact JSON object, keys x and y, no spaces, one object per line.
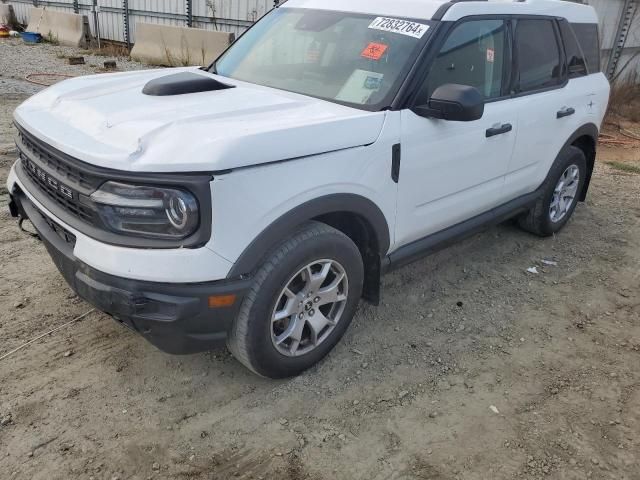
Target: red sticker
{"x":374,"y":51}
{"x":491,"y":55}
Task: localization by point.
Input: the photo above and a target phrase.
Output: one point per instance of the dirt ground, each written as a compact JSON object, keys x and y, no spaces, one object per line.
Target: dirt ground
{"x":472,"y":369}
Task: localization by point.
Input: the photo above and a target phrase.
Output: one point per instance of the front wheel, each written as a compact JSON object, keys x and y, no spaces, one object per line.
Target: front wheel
{"x":301,"y":303}
{"x":561,"y":193}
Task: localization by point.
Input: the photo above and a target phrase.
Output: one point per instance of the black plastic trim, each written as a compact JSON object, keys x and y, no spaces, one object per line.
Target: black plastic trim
{"x":444,"y":8}
{"x":196,"y":183}
{"x":396,"y":157}
{"x":254,"y":255}
{"x":440,"y":240}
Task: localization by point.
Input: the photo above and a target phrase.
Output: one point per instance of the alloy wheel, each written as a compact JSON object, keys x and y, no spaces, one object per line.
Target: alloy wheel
{"x":309,"y":307}
{"x":565,"y":193}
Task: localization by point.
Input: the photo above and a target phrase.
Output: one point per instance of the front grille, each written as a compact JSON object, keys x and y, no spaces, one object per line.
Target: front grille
{"x":62,"y":195}
{"x":53,"y":190}
{"x":62,"y":169}
{"x":56,"y":178}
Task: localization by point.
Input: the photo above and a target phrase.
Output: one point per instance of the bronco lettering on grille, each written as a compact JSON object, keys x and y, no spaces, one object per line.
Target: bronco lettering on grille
{"x":48,"y":179}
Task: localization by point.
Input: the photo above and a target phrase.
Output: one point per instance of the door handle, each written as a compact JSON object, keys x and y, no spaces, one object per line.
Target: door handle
{"x":504,"y":128}
{"x":566,"y":112}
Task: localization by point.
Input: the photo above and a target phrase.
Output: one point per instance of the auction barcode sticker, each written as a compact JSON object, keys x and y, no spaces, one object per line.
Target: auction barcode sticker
{"x":403,"y":27}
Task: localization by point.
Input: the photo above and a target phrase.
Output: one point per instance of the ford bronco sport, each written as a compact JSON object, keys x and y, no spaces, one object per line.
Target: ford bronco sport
{"x":257,"y":200}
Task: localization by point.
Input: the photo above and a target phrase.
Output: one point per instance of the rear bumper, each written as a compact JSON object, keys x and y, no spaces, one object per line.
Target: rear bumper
{"x":176,"y":318}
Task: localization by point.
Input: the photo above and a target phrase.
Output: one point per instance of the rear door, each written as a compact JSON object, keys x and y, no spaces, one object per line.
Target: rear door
{"x":452,"y":171}
{"x":550,"y":99}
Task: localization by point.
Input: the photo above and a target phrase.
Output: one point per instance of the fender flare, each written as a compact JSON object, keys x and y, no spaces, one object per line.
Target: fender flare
{"x":252,"y":257}
{"x":588,"y":129}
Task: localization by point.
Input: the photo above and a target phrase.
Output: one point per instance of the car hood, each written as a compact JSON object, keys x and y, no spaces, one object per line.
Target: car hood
{"x":107,"y":121}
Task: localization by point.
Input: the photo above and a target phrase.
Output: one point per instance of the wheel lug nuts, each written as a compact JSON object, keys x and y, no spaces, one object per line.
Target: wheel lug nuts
{"x":312,"y":312}
{"x":316,"y":300}
{"x":301,"y":316}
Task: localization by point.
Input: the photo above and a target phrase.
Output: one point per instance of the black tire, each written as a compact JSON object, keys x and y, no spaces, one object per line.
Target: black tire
{"x":538,"y":220}
{"x":250,"y":338}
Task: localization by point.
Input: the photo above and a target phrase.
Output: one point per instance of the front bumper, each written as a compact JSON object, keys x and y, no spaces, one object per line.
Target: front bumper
{"x":176,"y":318}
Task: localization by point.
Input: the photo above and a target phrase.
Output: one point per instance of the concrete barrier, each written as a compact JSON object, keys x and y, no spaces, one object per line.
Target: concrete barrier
{"x":7,"y":17}
{"x":68,"y":29}
{"x":178,"y":46}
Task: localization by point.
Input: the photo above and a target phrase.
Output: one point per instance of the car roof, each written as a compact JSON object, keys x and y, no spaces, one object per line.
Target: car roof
{"x":451,"y":11}
{"x":423,"y":9}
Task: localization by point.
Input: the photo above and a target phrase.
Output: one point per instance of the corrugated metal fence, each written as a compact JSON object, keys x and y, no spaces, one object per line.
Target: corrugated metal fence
{"x":116,"y":20}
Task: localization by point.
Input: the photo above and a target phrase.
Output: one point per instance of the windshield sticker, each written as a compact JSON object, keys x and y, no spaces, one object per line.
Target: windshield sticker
{"x":403,"y":27}
{"x":374,"y":51}
{"x":360,"y":87}
{"x":313,"y":53}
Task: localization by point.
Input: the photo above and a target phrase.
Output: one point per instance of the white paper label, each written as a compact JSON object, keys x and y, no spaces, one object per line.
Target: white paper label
{"x":403,"y":27}
{"x":360,"y":86}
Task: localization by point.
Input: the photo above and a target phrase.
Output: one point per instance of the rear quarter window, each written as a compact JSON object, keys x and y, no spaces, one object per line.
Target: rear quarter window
{"x":576,"y":62}
{"x":589,"y":40}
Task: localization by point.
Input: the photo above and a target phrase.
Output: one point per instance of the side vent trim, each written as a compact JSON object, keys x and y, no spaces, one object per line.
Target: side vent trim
{"x":396,"y":154}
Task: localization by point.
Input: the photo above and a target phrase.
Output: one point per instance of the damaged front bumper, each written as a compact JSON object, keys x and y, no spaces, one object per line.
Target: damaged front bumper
{"x":176,"y":318}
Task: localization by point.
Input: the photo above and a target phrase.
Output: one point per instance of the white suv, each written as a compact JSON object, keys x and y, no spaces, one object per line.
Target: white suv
{"x":256,"y":201}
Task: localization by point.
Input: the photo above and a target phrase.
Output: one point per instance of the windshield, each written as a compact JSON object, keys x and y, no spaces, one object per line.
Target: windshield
{"x":354,"y":59}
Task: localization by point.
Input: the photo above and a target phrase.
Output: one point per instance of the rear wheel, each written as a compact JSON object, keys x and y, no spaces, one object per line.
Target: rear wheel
{"x":301,"y":303}
{"x":561,"y":193}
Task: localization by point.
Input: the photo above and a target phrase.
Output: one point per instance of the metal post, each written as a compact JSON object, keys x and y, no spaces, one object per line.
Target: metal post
{"x":626,"y":18}
{"x":127,"y":31}
{"x":189,"y":10}
{"x":96,"y":22}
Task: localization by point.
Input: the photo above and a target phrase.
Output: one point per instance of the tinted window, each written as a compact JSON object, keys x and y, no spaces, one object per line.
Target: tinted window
{"x":575,"y":55}
{"x":473,"y":54}
{"x":587,"y":35}
{"x":538,"y":55}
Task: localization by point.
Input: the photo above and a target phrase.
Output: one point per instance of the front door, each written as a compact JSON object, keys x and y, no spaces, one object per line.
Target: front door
{"x":452,"y":171}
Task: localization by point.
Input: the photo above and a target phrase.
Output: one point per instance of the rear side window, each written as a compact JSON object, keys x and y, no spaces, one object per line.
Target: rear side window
{"x":538,"y":54}
{"x":576,"y":62}
{"x":589,"y":40}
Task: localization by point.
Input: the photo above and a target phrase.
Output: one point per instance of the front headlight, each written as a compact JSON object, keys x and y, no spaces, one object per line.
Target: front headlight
{"x":147,"y":211}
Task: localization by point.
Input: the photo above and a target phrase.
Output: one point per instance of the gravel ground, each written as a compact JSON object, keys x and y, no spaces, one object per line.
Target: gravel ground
{"x":18,"y":60}
{"x":472,"y":368}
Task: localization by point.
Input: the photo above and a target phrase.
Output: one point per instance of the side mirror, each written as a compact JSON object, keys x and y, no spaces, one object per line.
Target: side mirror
{"x":460,"y":103}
